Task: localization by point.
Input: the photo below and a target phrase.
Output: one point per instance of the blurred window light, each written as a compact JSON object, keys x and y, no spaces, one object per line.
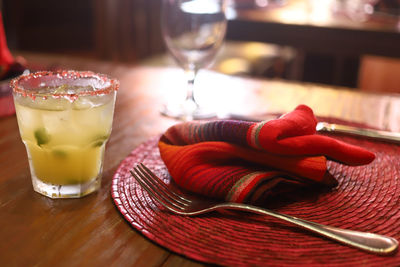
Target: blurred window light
{"x":201,"y":7}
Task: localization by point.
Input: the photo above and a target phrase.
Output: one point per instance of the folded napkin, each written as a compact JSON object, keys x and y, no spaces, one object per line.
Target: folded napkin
{"x":9,"y":68}
{"x":243,"y":161}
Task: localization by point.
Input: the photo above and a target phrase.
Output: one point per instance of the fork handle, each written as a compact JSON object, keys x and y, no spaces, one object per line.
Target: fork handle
{"x":366,"y":241}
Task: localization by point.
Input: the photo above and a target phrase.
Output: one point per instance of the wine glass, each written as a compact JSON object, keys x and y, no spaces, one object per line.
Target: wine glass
{"x":193,"y":31}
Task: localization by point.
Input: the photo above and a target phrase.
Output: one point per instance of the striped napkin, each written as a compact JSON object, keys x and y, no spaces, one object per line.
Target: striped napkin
{"x":243,"y":161}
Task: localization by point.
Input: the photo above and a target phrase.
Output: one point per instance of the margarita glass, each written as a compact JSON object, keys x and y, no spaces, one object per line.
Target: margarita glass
{"x":65,"y":119}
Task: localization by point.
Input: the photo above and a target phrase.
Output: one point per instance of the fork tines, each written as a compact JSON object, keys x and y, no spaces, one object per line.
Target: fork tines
{"x":158,"y":189}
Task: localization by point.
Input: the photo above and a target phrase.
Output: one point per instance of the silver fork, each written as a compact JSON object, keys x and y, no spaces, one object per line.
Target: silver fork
{"x":183,"y":204}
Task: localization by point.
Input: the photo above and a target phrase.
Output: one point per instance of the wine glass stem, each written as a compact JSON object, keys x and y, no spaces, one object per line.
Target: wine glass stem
{"x":191,"y":76}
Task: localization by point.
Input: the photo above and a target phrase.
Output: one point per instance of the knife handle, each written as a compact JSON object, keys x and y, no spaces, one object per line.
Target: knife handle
{"x":369,"y":133}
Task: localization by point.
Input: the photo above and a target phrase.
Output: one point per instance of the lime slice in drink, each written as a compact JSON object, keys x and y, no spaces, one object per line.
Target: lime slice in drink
{"x":60,"y":154}
{"x":41,"y":136}
{"x":99,"y":140}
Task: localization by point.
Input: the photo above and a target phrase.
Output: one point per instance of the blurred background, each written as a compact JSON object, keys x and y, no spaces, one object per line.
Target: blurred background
{"x":129,"y":31}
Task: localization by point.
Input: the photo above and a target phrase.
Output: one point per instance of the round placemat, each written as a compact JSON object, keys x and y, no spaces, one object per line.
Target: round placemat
{"x":367,"y":199}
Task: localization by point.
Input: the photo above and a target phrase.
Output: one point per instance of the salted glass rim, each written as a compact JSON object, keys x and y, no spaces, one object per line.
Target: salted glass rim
{"x":109,"y":83}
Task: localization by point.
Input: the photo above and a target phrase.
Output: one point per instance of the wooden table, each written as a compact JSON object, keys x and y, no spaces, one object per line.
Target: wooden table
{"x":38,"y":231}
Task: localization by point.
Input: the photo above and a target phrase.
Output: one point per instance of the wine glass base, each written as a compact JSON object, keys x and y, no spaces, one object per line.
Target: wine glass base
{"x":187,"y":115}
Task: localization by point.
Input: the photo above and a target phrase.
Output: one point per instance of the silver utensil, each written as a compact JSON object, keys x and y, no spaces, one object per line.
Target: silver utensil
{"x":357,"y":131}
{"x":334,"y":128}
{"x":177,"y":202}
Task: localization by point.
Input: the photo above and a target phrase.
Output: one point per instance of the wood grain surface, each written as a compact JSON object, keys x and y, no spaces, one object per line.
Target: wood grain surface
{"x":38,"y":231}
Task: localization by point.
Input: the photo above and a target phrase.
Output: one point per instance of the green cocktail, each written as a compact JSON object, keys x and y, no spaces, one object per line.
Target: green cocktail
{"x":65,"y":119}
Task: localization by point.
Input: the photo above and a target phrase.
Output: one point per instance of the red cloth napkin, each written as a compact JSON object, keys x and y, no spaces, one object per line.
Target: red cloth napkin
{"x":247,"y":162}
{"x":9,"y":68}
{"x":6,"y":59}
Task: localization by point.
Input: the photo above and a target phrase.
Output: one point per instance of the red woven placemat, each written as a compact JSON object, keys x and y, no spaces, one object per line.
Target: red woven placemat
{"x":367,"y":199}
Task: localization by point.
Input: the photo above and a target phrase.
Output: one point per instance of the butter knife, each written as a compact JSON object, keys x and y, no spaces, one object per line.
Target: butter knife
{"x":357,"y":131}
{"x":336,"y":128}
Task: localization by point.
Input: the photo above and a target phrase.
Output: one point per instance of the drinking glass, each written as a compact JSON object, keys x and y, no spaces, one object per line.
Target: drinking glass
{"x":193,"y":31}
{"x":65,"y":120}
